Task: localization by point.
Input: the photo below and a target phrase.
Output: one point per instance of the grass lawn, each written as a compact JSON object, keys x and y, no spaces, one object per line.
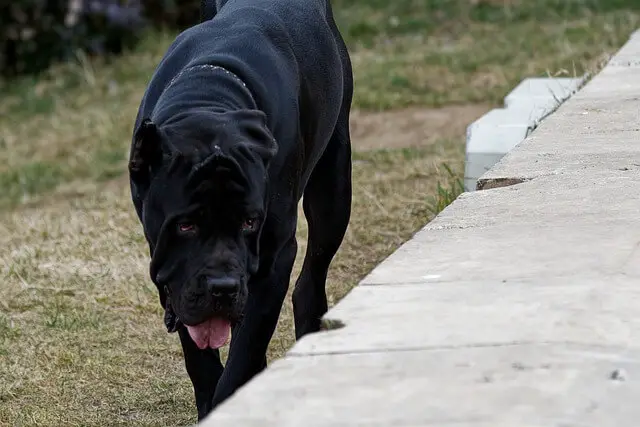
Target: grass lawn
{"x":82,"y":341}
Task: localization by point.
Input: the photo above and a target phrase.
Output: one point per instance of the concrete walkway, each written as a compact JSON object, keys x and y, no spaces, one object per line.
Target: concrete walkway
{"x":517,"y":306}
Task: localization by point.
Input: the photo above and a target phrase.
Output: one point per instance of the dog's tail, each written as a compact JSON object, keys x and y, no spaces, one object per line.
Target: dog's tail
{"x":207,"y":10}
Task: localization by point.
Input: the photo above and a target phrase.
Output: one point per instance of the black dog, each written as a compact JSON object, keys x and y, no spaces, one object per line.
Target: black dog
{"x":247,"y":112}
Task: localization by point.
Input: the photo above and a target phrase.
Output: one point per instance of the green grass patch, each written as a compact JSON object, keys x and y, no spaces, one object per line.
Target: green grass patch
{"x":62,"y":315}
{"x":7,"y":329}
{"x":27,"y":180}
{"x":446,"y":192}
{"x":108,"y":163}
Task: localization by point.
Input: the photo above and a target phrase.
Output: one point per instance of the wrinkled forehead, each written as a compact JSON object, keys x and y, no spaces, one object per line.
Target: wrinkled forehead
{"x":172,"y":193}
{"x":195,"y":136}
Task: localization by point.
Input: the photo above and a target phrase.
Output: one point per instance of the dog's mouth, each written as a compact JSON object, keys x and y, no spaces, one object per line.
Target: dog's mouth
{"x":208,"y":325}
{"x":213,"y":333}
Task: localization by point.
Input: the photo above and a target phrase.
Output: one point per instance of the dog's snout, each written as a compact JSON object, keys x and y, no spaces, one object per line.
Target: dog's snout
{"x":219,"y":286}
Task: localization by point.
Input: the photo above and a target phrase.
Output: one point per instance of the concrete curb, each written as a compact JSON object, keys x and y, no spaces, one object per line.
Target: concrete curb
{"x":516,"y":306}
{"x":496,"y":133}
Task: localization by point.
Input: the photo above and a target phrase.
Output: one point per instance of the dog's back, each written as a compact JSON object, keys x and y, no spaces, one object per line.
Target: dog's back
{"x":275,"y":47}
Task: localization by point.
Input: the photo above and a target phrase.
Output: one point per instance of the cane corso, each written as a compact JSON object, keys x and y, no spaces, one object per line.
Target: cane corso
{"x":246,"y":114}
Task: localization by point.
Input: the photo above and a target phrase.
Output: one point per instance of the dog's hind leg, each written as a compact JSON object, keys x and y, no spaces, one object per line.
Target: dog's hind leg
{"x":204,"y":369}
{"x":327,"y":207}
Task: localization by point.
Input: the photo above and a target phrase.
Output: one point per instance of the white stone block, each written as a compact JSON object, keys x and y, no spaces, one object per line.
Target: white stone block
{"x":546,"y":91}
{"x":475,"y":165}
{"x":491,"y":137}
{"x":499,"y":131}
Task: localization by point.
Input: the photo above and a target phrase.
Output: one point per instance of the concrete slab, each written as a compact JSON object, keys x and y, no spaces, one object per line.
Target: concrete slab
{"x":583,"y":126}
{"x":579,"y":310}
{"x":542,"y":228}
{"x":579,"y":135}
{"x":531,"y":163}
{"x":612,"y":82}
{"x":498,"y":133}
{"x":506,"y":386}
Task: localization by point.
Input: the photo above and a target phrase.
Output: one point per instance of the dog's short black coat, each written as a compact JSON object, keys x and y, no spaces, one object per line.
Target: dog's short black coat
{"x":247,"y":112}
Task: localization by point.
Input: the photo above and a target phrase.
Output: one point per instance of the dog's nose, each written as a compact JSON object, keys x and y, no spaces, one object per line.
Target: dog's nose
{"x":219,"y":286}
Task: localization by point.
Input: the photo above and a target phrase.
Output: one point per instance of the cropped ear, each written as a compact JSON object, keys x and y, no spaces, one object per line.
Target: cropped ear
{"x":145,"y":158}
{"x":146,"y":150}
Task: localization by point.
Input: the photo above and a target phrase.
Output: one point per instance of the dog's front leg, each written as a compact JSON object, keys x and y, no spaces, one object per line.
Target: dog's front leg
{"x":247,"y":353}
{"x":204,"y":369}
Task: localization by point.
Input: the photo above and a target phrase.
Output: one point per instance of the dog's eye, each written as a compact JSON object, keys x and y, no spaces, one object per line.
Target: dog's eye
{"x":186,"y":228}
{"x":250,"y":225}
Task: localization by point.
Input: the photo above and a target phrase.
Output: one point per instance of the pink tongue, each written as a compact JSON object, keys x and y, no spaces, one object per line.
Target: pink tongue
{"x":212,"y":333}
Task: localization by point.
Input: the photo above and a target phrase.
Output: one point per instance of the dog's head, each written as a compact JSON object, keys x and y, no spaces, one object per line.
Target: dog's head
{"x":199,"y":186}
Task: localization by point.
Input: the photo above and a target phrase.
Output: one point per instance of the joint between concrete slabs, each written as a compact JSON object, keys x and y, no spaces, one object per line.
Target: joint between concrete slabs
{"x":415,"y":349}
{"x":427,"y":281}
{"x":409,"y":349}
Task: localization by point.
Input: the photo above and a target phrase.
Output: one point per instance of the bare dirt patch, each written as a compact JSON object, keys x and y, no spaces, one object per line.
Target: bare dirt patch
{"x":412,"y":127}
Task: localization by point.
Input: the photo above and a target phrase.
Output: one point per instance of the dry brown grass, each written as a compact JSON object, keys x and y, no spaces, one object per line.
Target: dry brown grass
{"x":81,"y":334}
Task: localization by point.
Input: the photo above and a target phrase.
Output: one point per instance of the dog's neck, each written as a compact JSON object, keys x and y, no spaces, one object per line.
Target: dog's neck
{"x":203,"y":87}
{"x":207,"y":68}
